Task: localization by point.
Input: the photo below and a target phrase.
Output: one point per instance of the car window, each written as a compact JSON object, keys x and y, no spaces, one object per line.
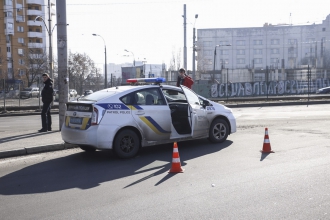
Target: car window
{"x":191,"y":96}
{"x":151,"y":96}
{"x":97,"y":95}
{"x":174,"y":95}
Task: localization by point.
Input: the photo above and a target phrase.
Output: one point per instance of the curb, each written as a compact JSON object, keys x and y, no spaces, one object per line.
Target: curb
{"x":35,"y":150}
{"x":267,"y":104}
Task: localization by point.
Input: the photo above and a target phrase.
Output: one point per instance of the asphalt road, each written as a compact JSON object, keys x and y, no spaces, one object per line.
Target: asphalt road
{"x":232,"y":180}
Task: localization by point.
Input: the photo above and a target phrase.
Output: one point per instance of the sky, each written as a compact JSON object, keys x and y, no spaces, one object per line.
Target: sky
{"x":153,"y":30}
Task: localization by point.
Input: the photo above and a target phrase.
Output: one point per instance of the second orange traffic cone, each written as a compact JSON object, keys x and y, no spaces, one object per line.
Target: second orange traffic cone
{"x":176,"y":164}
{"x":266,"y":146}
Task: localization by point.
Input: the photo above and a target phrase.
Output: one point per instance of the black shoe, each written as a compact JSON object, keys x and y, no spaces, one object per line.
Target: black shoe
{"x":49,"y":129}
{"x":42,"y":130}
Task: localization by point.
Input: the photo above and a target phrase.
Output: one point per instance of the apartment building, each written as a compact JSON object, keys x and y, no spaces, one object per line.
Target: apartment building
{"x":25,"y":24}
{"x":275,"y":46}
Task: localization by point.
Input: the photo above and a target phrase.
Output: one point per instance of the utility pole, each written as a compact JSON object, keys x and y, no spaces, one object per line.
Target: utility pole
{"x":62,"y":51}
{"x":50,"y":42}
{"x":184,"y":38}
{"x":267,"y":81}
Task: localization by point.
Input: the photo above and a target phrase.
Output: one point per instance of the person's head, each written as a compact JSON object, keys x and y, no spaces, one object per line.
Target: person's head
{"x":45,"y":76}
{"x":182,"y":72}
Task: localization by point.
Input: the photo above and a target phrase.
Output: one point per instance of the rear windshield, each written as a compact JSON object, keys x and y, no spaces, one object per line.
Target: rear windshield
{"x":97,"y":95}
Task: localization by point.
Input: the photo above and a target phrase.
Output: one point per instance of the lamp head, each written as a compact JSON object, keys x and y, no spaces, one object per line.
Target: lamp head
{"x":196,"y":15}
{"x":94,"y":34}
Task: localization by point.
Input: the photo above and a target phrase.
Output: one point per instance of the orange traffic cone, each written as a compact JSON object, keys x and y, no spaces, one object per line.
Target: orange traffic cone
{"x":176,"y":165}
{"x":266,"y":147}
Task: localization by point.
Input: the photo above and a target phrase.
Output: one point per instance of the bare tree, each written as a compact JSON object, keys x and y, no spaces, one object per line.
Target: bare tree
{"x":175,"y":62}
{"x":82,"y":70}
{"x":35,"y":62}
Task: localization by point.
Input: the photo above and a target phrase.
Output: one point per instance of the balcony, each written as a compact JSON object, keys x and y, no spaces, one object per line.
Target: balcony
{"x":37,"y":23}
{"x":34,"y":12}
{"x":36,"y":45}
{"x":36,"y":34}
{"x":36,"y":2}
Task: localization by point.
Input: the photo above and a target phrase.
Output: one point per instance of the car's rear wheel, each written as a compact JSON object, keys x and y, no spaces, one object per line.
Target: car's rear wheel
{"x":87,"y":148}
{"x":126,"y":144}
{"x":219,"y":131}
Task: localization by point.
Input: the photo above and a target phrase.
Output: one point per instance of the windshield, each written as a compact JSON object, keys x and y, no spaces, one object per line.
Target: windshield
{"x":27,"y":89}
{"x":97,"y":96}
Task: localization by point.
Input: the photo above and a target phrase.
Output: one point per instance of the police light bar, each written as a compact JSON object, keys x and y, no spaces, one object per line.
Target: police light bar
{"x":146,"y":80}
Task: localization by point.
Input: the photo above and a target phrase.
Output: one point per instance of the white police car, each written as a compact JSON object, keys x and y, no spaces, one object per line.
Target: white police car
{"x":125,"y":118}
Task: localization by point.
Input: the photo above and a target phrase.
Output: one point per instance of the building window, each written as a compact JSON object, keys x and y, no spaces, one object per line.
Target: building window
{"x":292,"y":41}
{"x":240,"y":61}
{"x":37,"y":30}
{"x":257,"y":61}
{"x":257,"y":51}
{"x":36,"y":7}
{"x":222,"y":43}
{"x":274,"y":60}
{"x":38,"y":41}
{"x":20,"y":51}
{"x":10,"y":26}
{"x":240,"y":52}
{"x":224,"y":52}
{"x":8,"y":2}
{"x":20,"y":29}
{"x":207,"y":43}
{"x":21,"y":62}
{"x":323,"y":29}
{"x":21,"y":72}
{"x":21,"y":40}
{"x":224,"y":62}
{"x":275,"y":51}
{"x":8,"y":14}
{"x":19,"y":18}
{"x":310,"y":40}
{"x":240,"y":42}
{"x":257,"y":42}
{"x":274,"y":41}
{"x":8,"y":49}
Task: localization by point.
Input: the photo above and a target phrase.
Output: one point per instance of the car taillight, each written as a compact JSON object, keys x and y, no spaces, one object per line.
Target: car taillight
{"x":95,"y":116}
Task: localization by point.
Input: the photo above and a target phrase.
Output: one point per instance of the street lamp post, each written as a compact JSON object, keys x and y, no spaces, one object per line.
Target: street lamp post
{"x":215,"y":54}
{"x":50,"y":32}
{"x":133,"y":56}
{"x":194,"y":49}
{"x":105,"y":63}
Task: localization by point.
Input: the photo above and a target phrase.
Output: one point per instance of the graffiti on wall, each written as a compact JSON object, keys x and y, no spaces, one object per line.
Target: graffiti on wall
{"x":262,"y":88}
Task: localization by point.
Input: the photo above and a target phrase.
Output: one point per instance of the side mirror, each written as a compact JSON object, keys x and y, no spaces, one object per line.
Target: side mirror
{"x":206,"y":103}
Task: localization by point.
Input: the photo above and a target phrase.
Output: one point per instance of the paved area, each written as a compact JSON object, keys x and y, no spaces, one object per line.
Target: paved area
{"x":27,"y":140}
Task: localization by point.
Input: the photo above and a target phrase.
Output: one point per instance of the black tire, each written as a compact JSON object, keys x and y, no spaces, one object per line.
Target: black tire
{"x":219,"y":131}
{"x":126,"y":144}
{"x":87,"y":148}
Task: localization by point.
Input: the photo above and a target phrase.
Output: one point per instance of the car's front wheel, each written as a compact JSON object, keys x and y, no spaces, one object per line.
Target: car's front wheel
{"x":126,"y":144}
{"x":219,"y":131}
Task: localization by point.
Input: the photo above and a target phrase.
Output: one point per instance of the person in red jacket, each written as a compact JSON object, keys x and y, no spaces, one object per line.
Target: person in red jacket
{"x":184,"y":79}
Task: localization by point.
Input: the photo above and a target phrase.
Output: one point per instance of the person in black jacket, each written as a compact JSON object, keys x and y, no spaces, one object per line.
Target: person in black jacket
{"x":47,"y":99}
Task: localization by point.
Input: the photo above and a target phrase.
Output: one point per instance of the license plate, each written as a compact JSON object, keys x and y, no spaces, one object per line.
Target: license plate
{"x":74,"y":120}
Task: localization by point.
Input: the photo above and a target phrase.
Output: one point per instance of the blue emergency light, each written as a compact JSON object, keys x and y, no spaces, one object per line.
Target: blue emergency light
{"x":146,"y":80}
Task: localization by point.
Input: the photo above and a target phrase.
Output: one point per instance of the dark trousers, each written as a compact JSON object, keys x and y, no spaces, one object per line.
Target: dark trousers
{"x":46,"y":119}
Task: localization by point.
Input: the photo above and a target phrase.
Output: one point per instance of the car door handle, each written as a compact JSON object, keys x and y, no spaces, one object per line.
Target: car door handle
{"x":140,"y":113}
{"x":209,"y":112}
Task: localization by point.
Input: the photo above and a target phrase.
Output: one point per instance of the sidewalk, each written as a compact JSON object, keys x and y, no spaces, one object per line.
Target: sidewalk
{"x":28,"y":141}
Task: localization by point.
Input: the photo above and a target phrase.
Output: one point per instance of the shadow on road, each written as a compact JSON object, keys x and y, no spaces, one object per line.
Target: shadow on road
{"x":87,"y":170}
{"x":24,"y":136}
